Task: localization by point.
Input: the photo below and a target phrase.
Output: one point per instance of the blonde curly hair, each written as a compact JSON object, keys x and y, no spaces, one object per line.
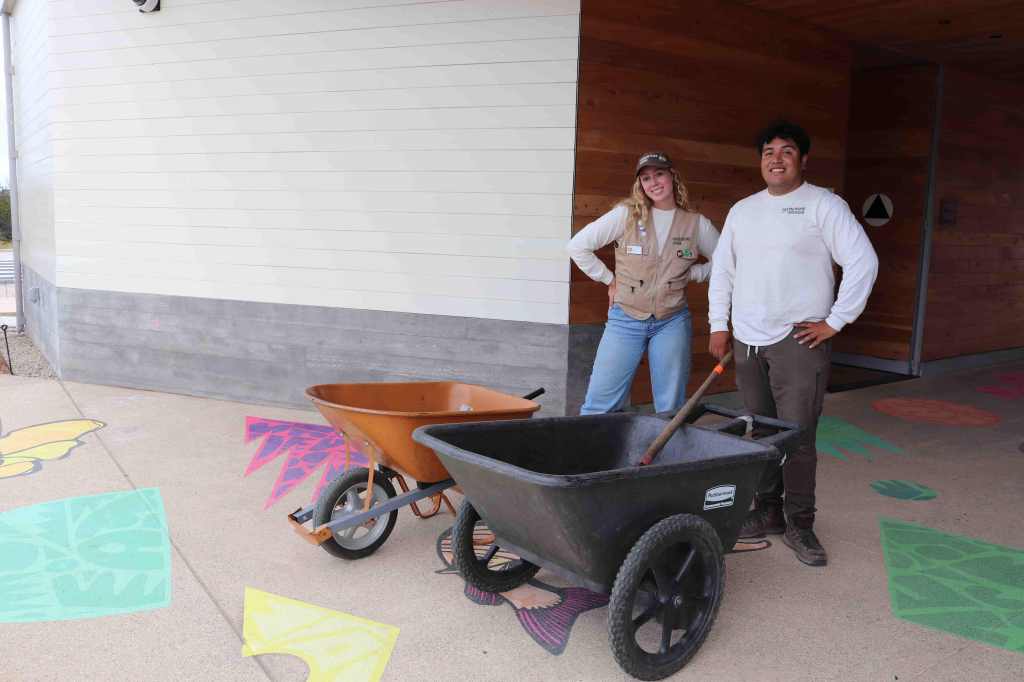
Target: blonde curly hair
{"x":638,"y":204}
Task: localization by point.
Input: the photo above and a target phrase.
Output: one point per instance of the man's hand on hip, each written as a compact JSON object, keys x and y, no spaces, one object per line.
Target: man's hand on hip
{"x":611,"y":294}
{"x":813,"y":333}
{"x":719,"y":344}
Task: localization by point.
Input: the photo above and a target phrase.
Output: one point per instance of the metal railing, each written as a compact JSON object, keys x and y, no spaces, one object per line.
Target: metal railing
{"x":6,"y":266}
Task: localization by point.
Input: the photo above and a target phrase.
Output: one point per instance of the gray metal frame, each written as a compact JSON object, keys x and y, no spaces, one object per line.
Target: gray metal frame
{"x":341,"y":523}
{"x":917,"y":333}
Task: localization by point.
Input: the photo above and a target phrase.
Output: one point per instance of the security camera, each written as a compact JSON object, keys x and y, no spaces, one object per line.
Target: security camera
{"x":147,"y":5}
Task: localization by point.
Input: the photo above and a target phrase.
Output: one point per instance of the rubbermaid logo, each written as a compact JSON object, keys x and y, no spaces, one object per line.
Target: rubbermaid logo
{"x":720,"y":496}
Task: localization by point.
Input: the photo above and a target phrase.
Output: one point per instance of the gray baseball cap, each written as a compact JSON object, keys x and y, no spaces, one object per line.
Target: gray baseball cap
{"x":656,"y":159}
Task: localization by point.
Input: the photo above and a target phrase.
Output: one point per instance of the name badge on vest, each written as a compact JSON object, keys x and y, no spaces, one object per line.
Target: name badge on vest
{"x":684,"y":253}
{"x":634,"y":250}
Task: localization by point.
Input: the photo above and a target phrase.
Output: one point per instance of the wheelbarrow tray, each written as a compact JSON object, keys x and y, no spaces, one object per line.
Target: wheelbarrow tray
{"x":566,"y":494}
{"x":384,"y":415}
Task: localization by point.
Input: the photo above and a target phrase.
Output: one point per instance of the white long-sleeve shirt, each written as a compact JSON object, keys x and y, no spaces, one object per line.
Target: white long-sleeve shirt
{"x":612,"y":225}
{"x":773,"y":265}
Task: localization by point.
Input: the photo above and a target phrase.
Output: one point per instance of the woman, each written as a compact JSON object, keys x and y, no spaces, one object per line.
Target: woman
{"x":658,"y":239}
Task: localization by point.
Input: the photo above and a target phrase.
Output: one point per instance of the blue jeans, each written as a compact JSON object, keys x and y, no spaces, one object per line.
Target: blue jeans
{"x":622,"y":347}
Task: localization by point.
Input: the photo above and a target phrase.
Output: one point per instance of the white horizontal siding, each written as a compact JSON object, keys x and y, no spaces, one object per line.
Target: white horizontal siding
{"x":532,"y":250}
{"x":326,"y":161}
{"x":393,"y":155}
{"x":527,"y":205}
{"x":413,"y":78}
{"x":540,"y":94}
{"x":234,"y":21}
{"x":220,"y":287}
{"x":386,"y":119}
{"x":504,"y":278}
{"x":388,"y":182}
{"x":33,"y":116}
{"x":530,"y":28}
{"x":438,"y":142}
{"x":534,"y":50}
{"x":304,"y":219}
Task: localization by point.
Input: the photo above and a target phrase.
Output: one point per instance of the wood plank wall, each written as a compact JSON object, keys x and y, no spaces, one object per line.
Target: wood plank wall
{"x":976,"y":280}
{"x":891,"y":122}
{"x":697,"y":79}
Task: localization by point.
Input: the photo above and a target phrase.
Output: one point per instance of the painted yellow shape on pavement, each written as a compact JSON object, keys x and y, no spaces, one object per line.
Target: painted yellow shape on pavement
{"x":46,"y":451}
{"x":23,"y":451}
{"x":335,"y":645}
{"x":42,"y":434}
{"x":11,"y":469}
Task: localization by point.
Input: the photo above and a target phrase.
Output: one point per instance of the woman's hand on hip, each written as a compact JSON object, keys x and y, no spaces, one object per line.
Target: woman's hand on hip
{"x":611,"y":294}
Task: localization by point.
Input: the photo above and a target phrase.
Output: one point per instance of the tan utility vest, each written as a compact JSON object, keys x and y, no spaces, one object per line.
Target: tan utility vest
{"x":649,"y":283}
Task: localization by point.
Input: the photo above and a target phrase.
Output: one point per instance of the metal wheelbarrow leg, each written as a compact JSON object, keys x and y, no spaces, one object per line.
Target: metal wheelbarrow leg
{"x":343,"y":527}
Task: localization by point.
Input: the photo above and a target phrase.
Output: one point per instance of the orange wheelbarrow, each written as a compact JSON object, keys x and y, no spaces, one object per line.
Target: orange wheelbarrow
{"x":356,"y":512}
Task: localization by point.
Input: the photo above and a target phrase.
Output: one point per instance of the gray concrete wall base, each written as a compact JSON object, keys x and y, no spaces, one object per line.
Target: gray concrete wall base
{"x":266,"y":352}
{"x":41,"y":320}
{"x":583,"y":341}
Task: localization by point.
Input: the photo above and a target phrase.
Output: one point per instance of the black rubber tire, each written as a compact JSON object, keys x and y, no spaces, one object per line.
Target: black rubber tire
{"x":474,"y":569}
{"x":690,"y":590}
{"x":334,"y":493}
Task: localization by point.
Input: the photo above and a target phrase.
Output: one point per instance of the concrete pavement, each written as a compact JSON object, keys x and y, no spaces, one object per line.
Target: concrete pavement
{"x":778,"y":620}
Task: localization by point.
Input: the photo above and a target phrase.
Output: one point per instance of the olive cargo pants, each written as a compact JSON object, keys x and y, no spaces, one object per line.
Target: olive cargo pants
{"x":787,"y":380}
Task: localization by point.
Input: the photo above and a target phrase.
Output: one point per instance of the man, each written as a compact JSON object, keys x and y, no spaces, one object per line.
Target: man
{"x":773,"y":268}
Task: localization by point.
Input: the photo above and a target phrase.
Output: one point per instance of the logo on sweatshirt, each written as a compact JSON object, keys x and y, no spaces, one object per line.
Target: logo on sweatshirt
{"x":794,"y":210}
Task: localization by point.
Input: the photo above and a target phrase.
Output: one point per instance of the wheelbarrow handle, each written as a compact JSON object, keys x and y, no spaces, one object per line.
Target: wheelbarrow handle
{"x":533,"y":394}
{"x":787,"y":431}
{"x":685,"y":410}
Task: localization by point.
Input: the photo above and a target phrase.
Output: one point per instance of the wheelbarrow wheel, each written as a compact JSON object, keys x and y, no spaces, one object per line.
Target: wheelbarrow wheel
{"x":666,"y":596}
{"x":479,"y":559}
{"x":346,"y":495}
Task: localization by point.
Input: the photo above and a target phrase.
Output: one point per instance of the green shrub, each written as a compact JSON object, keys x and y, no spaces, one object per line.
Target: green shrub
{"x":5,"y":215}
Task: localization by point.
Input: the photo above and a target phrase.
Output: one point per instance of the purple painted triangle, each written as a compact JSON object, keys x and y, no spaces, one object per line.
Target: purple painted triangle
{"x":305,"y":447}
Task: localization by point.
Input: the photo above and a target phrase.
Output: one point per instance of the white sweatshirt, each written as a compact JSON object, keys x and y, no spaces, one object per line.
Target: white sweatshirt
{"x":773,"y":265}
{"x":612,"y":225}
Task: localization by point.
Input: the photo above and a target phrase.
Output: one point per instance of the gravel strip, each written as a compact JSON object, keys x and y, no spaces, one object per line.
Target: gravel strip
{"x":27,"y":361}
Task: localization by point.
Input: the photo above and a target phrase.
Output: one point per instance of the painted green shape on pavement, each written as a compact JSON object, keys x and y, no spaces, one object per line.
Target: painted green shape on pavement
{"x":838,"y":438}
{"x":85,"y":557}
{"x":954,"y":583}
{"x":904,"y":490}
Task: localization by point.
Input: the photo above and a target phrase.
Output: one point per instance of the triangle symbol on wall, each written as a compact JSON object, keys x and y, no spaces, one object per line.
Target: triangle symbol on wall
{"x":877,"y":209}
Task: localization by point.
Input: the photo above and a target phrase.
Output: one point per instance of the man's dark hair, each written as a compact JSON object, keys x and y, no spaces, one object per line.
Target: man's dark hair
{"x":786,"y":131}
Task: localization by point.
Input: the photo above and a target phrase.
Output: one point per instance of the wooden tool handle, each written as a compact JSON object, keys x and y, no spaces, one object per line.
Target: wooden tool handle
{"x":684,"y":411}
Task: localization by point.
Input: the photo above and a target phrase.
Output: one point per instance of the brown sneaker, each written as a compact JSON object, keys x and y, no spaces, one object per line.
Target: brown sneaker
{"x":759,"y":522}
{"x":805,"y":544}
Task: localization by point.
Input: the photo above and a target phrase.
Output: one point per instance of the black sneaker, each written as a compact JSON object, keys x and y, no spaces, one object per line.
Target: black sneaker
{"x":759,"y":522}
{"x":805,"y":544}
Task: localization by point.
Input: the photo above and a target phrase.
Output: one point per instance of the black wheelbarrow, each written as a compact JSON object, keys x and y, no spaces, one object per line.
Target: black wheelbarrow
{"x":567,"y":494}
